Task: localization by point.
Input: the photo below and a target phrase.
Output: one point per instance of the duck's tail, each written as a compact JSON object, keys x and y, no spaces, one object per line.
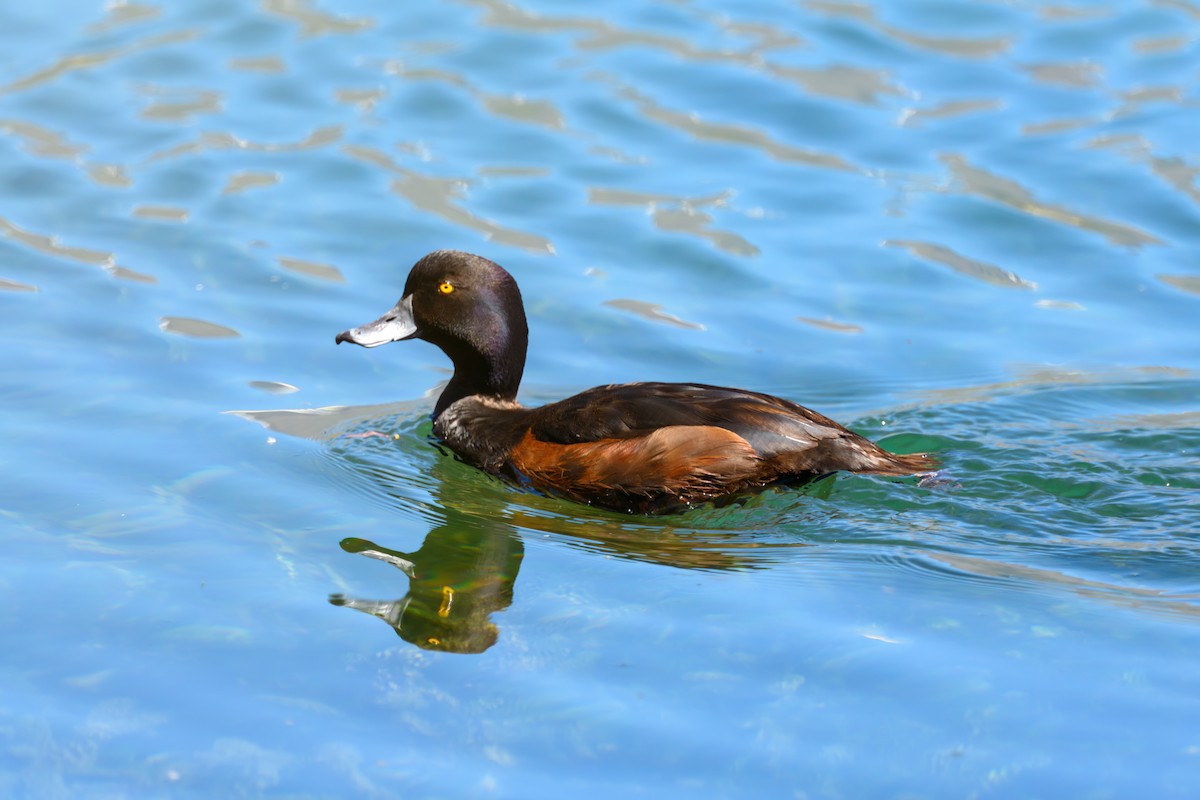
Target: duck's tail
{"x":886,"y":463}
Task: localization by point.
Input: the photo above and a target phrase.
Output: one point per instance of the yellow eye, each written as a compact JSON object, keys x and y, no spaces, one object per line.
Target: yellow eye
{"x":446,"y":288}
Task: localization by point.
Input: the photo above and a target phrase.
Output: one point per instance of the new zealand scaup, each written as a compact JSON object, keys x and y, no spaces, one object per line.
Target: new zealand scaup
{"x":637,"y":447}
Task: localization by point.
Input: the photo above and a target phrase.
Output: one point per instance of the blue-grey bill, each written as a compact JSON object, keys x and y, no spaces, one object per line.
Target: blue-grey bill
{"x":393,"y":326}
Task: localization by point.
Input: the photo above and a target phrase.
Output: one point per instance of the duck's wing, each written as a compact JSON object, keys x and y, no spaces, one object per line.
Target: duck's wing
{"x":625,"y":411}
{"x":790,"y":437}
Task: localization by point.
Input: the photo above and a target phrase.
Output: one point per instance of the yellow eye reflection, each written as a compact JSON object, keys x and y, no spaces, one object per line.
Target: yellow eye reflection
{"x":446,"y":288}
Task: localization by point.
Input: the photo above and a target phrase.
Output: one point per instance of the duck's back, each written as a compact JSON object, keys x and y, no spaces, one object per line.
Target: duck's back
{"x":650,"y":446}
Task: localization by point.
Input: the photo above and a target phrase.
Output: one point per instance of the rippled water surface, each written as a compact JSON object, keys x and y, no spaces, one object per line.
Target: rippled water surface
{"x":235,"y":565}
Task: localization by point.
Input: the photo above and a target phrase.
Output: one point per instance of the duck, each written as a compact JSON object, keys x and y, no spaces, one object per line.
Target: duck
{"x":637,"y":448}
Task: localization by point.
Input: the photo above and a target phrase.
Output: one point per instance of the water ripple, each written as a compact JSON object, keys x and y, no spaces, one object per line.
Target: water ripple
{"x":977,"y":181}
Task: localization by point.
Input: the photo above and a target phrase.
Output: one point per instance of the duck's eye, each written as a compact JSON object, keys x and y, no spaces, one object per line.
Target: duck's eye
{"x":446,"y":288}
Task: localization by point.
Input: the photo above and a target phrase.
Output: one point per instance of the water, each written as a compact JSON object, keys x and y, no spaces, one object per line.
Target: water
{"x":967,"y":227}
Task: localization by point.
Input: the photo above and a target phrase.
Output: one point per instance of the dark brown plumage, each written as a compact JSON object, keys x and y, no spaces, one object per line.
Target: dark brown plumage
{"x":637,"y":447}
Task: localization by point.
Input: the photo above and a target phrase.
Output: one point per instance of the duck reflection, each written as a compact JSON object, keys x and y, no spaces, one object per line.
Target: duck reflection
{"x":463,"y":572}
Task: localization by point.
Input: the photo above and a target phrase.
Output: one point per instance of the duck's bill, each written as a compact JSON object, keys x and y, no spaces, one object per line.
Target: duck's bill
{"x":393,"y":326}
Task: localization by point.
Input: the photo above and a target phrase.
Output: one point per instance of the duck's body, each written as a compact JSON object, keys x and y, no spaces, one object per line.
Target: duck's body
{"x":637,"y":447}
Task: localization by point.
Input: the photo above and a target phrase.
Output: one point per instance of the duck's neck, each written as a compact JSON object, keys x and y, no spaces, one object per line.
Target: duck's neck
{"x":495,"y":376}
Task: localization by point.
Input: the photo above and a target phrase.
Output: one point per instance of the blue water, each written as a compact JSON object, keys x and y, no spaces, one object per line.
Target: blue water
{"x":971,"y":227}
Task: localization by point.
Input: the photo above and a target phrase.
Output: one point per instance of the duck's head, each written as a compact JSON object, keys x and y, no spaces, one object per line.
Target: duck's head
{"x":468,"y":306}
